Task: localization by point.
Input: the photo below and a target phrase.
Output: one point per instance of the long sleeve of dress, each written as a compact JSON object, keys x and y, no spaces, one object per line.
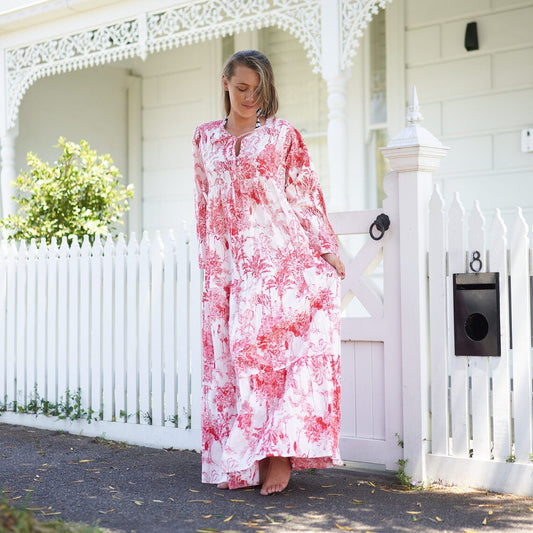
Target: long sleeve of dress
{"x":201,"y":188}
{"x":305,"y":196}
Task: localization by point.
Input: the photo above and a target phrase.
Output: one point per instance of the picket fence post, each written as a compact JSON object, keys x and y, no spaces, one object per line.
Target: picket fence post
{"x":414,"y":154}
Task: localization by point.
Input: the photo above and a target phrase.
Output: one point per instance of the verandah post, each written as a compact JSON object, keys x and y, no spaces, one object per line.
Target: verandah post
{"x":414,"y":154}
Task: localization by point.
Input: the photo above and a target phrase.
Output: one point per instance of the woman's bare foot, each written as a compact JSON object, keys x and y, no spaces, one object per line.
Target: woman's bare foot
{"x":223,"y":485}
{"x":279,"y":474}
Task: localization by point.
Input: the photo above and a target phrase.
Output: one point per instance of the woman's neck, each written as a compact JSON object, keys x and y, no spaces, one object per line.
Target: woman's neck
{"x":238,"y":126}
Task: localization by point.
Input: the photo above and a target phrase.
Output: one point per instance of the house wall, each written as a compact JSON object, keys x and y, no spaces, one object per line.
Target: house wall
{"x":179,"y":91}
{"x":476,"y":102}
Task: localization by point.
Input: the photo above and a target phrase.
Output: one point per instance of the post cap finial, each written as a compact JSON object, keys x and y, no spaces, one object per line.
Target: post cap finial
{"x":413,"y":111}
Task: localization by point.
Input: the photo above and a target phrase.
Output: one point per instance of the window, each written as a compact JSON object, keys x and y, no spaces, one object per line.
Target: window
{"x":376,"y":134}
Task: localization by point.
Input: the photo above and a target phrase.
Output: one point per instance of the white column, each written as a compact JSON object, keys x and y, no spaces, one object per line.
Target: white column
{"x":8,"y":174}
{"x":337,"y":141}
{"x":336,"y":78}
{"x":414,"y":155}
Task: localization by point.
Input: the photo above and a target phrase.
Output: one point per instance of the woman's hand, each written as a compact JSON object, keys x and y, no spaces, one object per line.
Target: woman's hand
{"x":336,"y":263}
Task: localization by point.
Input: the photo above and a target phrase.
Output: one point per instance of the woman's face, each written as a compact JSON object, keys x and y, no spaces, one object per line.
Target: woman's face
{"x":241,"y":88}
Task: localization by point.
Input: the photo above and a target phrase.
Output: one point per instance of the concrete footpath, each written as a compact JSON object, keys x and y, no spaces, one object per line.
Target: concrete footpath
{"x":124,"y":488}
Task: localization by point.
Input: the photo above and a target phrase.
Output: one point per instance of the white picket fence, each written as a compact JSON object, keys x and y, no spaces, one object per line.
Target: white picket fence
{"x":115,"y":325}
{"x":481,"y":407}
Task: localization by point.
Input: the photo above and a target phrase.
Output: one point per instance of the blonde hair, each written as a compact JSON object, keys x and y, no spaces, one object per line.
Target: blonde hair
{"x":266,"y":92}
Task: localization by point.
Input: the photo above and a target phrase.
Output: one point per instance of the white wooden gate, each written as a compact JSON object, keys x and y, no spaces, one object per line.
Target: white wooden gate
{"x":371,"y":397}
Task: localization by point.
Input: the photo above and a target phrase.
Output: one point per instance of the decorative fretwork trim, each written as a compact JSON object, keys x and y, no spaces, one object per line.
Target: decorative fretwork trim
{"x":27,"y":64}
{"x":179,"y":26}
{"x":356,"y":15}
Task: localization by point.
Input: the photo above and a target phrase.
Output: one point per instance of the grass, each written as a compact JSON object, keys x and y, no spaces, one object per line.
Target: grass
{"x":15,"y":519}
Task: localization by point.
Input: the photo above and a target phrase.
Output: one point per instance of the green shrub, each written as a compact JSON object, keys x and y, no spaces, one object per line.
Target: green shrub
{"x":80,"y":195}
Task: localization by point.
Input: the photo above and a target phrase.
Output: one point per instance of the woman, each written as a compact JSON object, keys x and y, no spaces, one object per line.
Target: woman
{"x":270,"y":307}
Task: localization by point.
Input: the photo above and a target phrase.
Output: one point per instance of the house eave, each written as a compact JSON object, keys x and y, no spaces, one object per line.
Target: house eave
{"x":33,"y":12}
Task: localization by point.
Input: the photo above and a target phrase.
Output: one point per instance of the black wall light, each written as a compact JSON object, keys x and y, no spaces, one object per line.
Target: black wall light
{"x":471,"y":41}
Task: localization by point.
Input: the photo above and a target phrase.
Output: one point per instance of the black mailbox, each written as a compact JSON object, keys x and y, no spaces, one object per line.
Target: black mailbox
{"x":476,"y":308}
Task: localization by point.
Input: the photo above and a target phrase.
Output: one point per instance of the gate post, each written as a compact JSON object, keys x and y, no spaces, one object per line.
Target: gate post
{"x":414,"y":154}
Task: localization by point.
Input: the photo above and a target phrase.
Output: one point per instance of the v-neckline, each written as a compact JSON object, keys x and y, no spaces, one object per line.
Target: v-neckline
{"x":238,"y":138}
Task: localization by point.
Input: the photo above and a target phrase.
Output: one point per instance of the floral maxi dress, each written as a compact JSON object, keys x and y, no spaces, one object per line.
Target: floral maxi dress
{"x":271,"y":326}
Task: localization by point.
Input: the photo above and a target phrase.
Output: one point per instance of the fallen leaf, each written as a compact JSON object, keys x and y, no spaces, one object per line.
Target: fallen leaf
{"x":207,"y":515}
{"x":354,"y":500}
{"x":438,"y":519}
{"x":290,"y":507}
{"x":107,"y":512}
{"x":413,"y":512}
{"x":137,"y":502}
{"x":51,"y":514}
{"x":270,"y":507}
{"x":172,"y":475}
{"x":86,"y":460}
{"x":491,"y":512}
{"x":240,"y":501}
{"x":192,"y":490}
{"x":228,"y":519}
{"x":484,"y":523}
{"x":344,"y":528}
{"x":328,"y":486}
{"x":157,"y":501}
{"x":198,"y":501}
{"x":316,"y":498}
{"x":415,"y":519}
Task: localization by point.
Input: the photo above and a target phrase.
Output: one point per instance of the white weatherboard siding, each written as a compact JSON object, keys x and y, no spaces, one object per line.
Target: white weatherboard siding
{"x":476,"y":102}
{"x":302,"y":95}
{"x":179,"y":91}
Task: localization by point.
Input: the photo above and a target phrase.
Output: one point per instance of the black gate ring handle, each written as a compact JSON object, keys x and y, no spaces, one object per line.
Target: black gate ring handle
{"x":381,"y":224}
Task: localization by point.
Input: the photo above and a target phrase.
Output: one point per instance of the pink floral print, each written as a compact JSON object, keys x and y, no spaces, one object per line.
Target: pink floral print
{"x":271,"y":327}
